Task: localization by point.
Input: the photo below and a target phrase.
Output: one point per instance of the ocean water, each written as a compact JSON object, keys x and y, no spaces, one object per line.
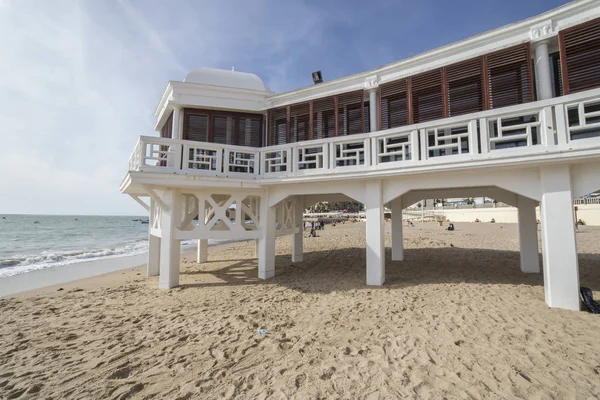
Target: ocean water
{"x":33,"y":242}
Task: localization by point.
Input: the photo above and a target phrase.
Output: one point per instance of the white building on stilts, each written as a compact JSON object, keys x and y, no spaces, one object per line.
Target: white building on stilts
{"x":512,"y":114}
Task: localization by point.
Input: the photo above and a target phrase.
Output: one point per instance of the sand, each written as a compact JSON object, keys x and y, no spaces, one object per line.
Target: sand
{"x":457,"y":319}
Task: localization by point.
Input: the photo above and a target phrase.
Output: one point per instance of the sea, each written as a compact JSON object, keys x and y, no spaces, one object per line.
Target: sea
{"x":34,"y":242}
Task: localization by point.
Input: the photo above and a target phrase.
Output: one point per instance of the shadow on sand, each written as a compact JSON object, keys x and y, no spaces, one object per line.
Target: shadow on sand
{"x":337,"y":270}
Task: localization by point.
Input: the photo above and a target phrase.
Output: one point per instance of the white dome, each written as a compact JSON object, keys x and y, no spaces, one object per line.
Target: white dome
{"x":221,"y":77}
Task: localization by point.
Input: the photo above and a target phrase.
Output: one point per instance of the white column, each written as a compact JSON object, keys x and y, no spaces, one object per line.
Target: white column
{"x":153,"y":255}
{"x":373,"y":110}
{"x":266,"y":243}
{"x":528,"y":237}
{"x":202,"y":255}
{"x":177,"y":122}
{"x":397,"y":239}
{"x":559,"y":246}
{"x":169,"y":246}
{"x":298,"y":238}
{"x":375,"y":246}
{"x":543,"y":76}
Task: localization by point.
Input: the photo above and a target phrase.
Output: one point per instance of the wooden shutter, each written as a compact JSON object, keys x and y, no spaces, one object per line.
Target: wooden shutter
{"x":427,"y":99}
{"x":464,"y":87}
{"x":580,"y":56}
{"x":223,"y":129}
{"x":249,"y":131}
{"x":350,"y":113}
{"x":277,"y":126}
{"x":195,"y":125}
{"x":167,"y":129}
{"x":509,"y":76}
{"x":299,"y":120}
{"x":393,"y":104}
{"x":556,"y":74}
{"x":324,"y":118}
{"x":367,"y":117}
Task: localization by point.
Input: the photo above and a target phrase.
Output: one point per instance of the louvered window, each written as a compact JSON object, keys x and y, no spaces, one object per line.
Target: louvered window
{"x":167,"y":129}
{"x":464,"y":88}
{"x":427,"y":100}
{"x":323,"y":118}
{"x":299,"y":119}
{"x":556,"y":74}
{"x":509,"y":76}
{"x":249,"y":132}
{"x":195,"y":125}
{"x":367,"y":118}
{"x":580,"y":56}
{"x":350,"y":113}
{"x":394,"y":104}
{"x":223,"y":129}
{"x":277,"y":126}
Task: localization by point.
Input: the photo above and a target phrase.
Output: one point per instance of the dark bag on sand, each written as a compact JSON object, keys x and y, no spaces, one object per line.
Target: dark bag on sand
{"x":588,"y":300}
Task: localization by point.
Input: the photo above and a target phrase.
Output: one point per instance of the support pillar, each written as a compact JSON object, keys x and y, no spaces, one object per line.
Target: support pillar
{"x":256,"y":248}
{"x":543,"y":75}
{"x":266,"y":243}
{"x":152,"y":268}
{"x":202,"y":255}
{"x":373,"y":119}
{"x":397,"y":228}
{"x":298,"y":238}
{"x":170,"y":249}
{"x":528,"y":237}
{"x":559,"y":246}
{"x":375,"y":245}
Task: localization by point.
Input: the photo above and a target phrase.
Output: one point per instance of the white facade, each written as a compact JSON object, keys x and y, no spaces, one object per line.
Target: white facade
{"x":270,"y":186}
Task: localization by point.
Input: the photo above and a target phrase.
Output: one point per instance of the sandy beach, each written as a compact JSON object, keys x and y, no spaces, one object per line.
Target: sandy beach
{"x":456,"y":319}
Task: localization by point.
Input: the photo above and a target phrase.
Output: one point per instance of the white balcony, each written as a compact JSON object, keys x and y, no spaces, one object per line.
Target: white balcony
{"x":562,"y":127}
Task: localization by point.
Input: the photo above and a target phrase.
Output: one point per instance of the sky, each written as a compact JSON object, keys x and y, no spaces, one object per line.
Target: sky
{"x":80,"y":80}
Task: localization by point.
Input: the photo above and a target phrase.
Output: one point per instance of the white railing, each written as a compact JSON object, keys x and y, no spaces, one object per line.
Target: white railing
{"x":525,"y":129}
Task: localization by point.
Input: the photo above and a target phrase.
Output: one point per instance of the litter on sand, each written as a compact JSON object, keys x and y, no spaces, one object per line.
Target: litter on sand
{"x":262,"y":331}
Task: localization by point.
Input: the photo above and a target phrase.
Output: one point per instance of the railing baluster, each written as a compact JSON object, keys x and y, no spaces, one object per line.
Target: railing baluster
{"x":562,"y":125}
{"x":473,"y":136}
{"x":547,"y":126}
{"x":424,"y":145}
{"x":484,"y":135}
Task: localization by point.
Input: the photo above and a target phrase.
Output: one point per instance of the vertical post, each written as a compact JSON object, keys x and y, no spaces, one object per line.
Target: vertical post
{"x":152,"y":268}
{"x":528,"y":236}
{"x":373,"y":106}
{"x":397,"y":237}
{"x":547,"y":126}
{"x":202,"y":255}
{"x":298,"y":238}
{"x":256,"y":248}
{"x":473,"y":139}
{"x":424,"y":144}
{"x":266,"y":243}
{"x":562,"y":125}
{"x":169,"y":246}
{"x":543,"y":76}
{"x":559,"y":246}
{"x":375,"y":246}
{"x":484,"y":138}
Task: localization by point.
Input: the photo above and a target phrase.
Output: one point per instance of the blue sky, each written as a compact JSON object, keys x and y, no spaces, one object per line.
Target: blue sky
{"x":79,"y":80}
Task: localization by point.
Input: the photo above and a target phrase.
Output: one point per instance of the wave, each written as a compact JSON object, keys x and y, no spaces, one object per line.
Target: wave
{"x":20,"y":264}
{"x":24,"y":263}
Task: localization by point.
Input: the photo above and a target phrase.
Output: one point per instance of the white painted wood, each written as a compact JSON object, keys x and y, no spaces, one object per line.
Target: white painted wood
{"x":202,"y":251}
{"x":375,"y":245}
{"x":153,"y":266}
{"x":256,"y":241}
{"x":397,"y":230}
{"x":561,"y":268}
{"x":547,"y":127}
{"x":528,"y":236}
{"x":266,"y":243}
{"x":298,"y":238}
{"x":170,"y":248}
